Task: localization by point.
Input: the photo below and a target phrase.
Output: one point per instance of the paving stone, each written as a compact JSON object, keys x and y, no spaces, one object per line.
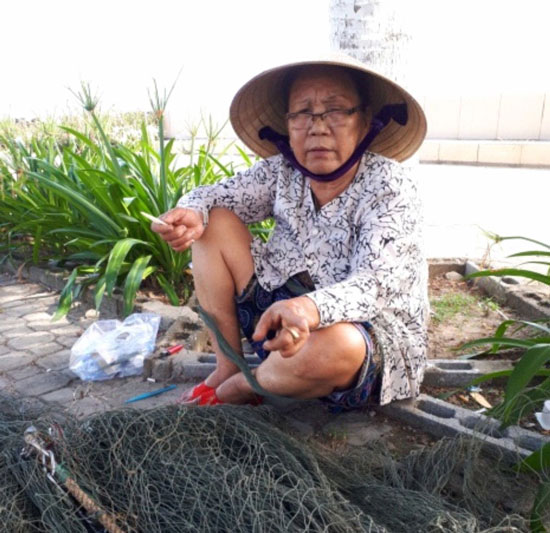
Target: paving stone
{"x":9,"y":323}
{"x":5,"y":383}
{"x":21,"y":310}
{"x":64,"y":396}
{"x":41,"y":325}
{"x":30,"y":339}
{"x":45,"y":349}
{"x":25,"y":372}
{"x":39,"y":316}
{"x":15,"y":360}
{"x":10,"y":298}
{"x":55,"y":361}
{"x":17,"y":332}
{"x":70,"y":330}
{"x":63,"y":321}
{"x":47,"y":382}
{"x":5,"y":350}
{"x":66,"y":341}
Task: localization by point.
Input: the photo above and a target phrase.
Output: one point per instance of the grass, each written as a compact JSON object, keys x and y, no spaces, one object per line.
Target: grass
{"x":447,"y":306}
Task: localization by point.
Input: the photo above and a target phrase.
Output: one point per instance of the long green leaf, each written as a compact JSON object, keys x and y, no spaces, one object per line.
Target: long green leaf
{"x":133,"y":281}
{"x":82,"y":203}
{"x":228,"y":172}
{"x":512,"y":410}
{"x":540,"y":509}
{"x":534,"y":253}
{"x":244,"y":155}
{"x":99,"y":292}
{"x":504,"y":341}
{"x":511,"y":272}
{"x":36,"y":244}
{"x":537,"y":461}
{"x":116,"y":257}
{"x":532,"y":360}
{"x":66,"y":297}
{"x":84,"y":255}
{"x":83,"y":138}
{"x":521,"y":238}
{"x":168,"y":289}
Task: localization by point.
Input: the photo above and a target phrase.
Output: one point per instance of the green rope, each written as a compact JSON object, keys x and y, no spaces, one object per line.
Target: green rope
{"x":234,"y":357}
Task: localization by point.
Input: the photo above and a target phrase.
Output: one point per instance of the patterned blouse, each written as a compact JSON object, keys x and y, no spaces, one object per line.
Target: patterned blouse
{"x":362,"y":251}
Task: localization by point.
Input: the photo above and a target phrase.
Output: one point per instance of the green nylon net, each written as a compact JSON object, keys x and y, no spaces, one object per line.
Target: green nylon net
{"x":238,"y":469}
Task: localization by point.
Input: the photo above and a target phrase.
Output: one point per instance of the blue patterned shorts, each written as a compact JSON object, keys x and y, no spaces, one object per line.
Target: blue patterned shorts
{"x":254,"y":300}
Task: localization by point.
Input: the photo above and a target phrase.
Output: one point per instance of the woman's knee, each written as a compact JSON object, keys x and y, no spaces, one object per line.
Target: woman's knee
{"x":228,"y":239}
{"x":223,"y":222}
{"x":334,"y":353}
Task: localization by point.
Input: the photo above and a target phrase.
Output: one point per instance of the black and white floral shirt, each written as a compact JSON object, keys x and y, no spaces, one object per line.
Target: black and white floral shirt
{"x":362,"y":250}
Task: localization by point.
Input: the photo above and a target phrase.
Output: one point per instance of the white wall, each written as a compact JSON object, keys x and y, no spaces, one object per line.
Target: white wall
{"x":499,"y":116}
{"x":478,"y":67}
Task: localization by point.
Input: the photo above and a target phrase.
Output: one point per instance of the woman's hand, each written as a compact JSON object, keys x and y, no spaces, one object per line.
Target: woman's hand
{"x":185,"y":226}
{"x":293,"y":320}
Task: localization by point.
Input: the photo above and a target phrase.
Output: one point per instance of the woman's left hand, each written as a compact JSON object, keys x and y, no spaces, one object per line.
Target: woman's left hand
{"x":293,"y":320}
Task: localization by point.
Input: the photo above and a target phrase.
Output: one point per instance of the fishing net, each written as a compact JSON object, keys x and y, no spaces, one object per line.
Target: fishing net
{"x":233,"y":469}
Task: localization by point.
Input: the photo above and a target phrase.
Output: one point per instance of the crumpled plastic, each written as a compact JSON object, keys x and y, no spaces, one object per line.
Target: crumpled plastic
{"x":544,"y":416}
{"x":111,"y":348}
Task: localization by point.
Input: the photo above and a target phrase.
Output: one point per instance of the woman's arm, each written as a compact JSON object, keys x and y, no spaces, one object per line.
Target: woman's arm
{"x":249,"y":194}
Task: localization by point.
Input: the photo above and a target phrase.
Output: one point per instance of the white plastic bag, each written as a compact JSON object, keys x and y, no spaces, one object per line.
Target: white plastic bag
{"x":111,"y":348}
{"x":544,"y":416}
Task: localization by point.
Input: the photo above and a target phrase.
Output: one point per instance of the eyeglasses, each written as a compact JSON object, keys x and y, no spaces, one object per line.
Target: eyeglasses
{"x":303,"y":120}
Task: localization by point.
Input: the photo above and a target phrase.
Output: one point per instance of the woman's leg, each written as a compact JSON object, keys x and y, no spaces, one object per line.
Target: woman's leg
{"x":222,"y":267}
{"x":330,"y":359}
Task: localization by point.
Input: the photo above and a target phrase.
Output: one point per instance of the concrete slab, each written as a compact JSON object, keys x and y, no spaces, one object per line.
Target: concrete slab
{"x":460,"y":373}
{"x":446,"y":420}
{"x":530,"y":301}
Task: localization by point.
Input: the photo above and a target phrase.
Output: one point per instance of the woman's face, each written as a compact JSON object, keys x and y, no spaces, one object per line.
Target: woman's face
{"x":320,"y":147}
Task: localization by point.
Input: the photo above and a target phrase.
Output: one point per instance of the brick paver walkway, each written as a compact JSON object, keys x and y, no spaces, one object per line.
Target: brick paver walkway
{"x":35,"y":353}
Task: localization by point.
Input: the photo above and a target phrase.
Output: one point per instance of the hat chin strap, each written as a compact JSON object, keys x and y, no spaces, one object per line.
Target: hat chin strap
{"x":397,"y":112}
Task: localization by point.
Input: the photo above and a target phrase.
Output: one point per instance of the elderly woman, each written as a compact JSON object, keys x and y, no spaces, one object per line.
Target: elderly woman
{"x":335,"y":302}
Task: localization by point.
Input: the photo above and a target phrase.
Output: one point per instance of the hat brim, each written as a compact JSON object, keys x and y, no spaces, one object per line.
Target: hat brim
{"x":261,"y":102}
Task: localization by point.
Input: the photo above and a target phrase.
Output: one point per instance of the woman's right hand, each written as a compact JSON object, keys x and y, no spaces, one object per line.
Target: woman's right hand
{"x":185,"y":226}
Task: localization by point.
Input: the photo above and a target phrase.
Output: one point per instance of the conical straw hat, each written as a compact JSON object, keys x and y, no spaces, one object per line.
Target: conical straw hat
{"x":261,"y":102}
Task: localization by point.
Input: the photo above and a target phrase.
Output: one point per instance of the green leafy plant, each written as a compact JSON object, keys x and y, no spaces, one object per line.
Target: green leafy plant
{"x":79,"y":204}
{"x":528,"y":384}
